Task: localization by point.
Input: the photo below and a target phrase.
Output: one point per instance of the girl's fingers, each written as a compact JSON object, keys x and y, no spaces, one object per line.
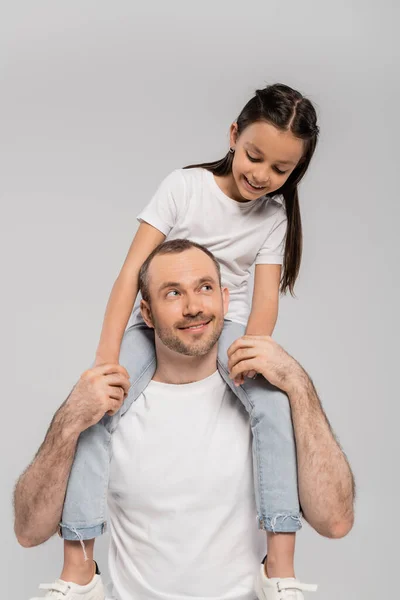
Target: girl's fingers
{"x":241,"y":378}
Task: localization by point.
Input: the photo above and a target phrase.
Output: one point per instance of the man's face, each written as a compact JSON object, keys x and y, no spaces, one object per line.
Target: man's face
{"x":187,"y":305}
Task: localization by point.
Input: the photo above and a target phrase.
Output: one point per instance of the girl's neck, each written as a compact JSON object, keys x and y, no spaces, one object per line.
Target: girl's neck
{"x":227,"y":184}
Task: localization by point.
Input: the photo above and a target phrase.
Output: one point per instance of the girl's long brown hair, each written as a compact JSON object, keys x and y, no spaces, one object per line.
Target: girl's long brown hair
{"x":288,"y":110}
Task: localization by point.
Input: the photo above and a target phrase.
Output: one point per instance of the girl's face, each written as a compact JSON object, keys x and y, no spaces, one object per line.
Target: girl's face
{"x":264,"y":159}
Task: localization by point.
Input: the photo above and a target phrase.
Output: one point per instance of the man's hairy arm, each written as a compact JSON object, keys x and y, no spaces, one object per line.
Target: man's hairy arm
{"x":326,"y":483}
{"x":40,"y":491}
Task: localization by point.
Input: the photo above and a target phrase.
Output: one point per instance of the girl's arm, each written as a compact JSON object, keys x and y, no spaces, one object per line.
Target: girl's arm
{"x":264,"y":306}
{"x":124,"y":292}
{"x":265,"y":303}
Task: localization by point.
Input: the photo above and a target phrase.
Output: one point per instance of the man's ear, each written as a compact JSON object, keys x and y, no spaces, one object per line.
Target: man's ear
{"x":146,"y":313}
{"x":225,"y":299}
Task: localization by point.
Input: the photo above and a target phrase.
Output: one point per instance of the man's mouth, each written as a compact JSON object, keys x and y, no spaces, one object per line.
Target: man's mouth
{"x":196,"y":326}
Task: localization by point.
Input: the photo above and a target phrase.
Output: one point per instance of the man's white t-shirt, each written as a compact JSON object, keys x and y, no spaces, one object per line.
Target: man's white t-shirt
{"x":181,"y":496}
{"x":189,"y":204}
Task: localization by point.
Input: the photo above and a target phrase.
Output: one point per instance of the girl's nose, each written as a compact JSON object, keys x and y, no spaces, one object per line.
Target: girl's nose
{"x":262,"y":178}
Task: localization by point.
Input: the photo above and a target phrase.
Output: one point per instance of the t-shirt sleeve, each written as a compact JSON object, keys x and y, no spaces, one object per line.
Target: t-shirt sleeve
{"x":163,"y":210}
{"x":273,"y":250}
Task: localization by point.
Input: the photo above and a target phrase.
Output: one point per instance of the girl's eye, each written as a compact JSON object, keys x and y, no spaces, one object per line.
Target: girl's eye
{"x":252,"y":158}
{"x":279,"y":171}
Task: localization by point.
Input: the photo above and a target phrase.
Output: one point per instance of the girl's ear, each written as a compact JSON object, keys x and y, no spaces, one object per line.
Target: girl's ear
{"x":233,"y":134}
{"x":146,"y":313}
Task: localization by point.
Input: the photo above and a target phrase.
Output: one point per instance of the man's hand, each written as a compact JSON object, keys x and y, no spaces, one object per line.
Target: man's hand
{"x":100,"y":390}
{"x":263,"y":355}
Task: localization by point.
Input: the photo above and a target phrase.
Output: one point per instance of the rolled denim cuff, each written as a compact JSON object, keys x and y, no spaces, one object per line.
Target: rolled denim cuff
{"x":281,"y":522}
{"x":81,"y":533}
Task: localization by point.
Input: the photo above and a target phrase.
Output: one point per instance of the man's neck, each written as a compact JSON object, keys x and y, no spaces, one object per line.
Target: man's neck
{"x":177,"y":369}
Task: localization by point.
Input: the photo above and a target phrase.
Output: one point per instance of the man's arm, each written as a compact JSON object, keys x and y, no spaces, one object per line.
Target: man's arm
{"x":40,"y":491}
{"x":326,"y":483}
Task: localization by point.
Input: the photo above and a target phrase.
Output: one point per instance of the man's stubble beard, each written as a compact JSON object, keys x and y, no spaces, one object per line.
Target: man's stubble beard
{"x":200,"y":348}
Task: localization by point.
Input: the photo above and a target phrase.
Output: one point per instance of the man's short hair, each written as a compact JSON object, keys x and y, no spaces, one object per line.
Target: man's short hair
{"x":170,"y":247}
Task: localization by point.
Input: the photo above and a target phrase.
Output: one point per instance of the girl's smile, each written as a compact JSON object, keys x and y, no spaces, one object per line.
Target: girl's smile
{"x":264,"y":158}
{"x":254,"y":189}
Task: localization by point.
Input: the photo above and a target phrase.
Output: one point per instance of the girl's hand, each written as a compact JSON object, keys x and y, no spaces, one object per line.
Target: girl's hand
{"x":251,"y":374}
{"x":240,"y":380}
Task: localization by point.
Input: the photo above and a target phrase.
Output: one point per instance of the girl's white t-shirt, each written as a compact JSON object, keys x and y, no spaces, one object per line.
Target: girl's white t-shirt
{"x":189,"y":204}
{"x":181,"y":499}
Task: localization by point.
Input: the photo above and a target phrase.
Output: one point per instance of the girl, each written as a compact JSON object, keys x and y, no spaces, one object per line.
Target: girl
{"x":245,"y":209}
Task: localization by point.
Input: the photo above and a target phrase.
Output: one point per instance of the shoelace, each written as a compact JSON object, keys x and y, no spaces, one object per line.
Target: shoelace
{"x":289,"y":588}
{"x":57,"y":590}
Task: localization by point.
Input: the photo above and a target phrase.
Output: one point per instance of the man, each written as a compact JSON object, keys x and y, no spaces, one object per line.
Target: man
{"x":181,"y":500}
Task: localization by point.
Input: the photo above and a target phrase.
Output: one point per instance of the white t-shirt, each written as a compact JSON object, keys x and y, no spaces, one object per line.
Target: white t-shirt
{"x":190,"y":204}
{"x":181,"y":496}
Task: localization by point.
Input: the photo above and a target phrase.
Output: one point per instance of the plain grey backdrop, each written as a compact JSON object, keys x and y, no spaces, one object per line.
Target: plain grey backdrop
{"x":99,"y":101}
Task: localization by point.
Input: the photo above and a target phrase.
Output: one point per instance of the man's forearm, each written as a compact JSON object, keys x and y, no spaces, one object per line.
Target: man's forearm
{"x":40,"y":491}
{"x":326,"y":483}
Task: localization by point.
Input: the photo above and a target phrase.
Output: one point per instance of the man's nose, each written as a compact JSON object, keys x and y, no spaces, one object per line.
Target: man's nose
{"x":192,"y":305}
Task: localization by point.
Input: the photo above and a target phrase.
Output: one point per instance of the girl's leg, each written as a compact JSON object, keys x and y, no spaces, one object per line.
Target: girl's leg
{"x":85,"y":506}
{"x":274,"y":459}
{"x":280,"y":555}
{"x":75,"y":569}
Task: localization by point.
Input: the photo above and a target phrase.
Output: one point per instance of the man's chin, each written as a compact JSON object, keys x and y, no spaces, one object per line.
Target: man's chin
{"x":190,"y":343}
{"x":198,"y":347}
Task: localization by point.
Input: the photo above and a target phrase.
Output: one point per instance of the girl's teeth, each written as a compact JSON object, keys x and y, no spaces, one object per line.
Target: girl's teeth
{"x":257,"y":187}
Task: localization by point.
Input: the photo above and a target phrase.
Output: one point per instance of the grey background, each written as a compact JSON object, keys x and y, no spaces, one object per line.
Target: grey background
{"x":99,"y":101}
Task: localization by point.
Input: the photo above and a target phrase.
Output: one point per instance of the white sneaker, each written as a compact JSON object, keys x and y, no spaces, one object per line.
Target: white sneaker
{"x":277,"y":588}
{"x":67,"y":590}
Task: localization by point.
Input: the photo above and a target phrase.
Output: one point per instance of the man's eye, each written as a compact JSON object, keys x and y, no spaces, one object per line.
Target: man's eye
{"x":172,"y":293}
{"x":207,"y":287}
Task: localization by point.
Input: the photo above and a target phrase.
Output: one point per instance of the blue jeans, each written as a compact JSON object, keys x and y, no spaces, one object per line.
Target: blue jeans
{"x":274,"y":450}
